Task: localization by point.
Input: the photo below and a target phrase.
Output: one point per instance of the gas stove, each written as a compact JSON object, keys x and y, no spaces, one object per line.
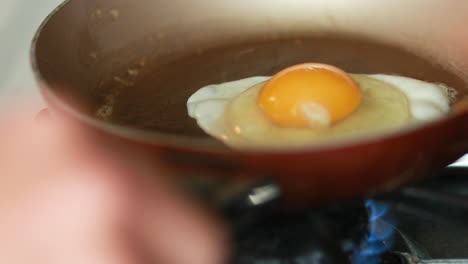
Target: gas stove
{"x":421,"y":224}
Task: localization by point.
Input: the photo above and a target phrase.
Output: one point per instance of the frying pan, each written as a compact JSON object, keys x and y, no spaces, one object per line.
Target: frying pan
{"x":146,"y":57}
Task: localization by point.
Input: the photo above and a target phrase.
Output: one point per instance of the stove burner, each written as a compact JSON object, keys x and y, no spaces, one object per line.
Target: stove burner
{"x":326,"y":235}
{"x":355,"y":233}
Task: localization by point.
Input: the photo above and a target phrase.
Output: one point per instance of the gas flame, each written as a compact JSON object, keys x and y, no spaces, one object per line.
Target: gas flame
{"x":380,"y":236}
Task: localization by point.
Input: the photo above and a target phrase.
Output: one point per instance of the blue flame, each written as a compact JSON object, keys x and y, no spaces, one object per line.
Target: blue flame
{"x":380,"y":237}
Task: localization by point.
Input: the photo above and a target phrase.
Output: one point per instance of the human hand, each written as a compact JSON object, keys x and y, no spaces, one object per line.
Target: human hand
{"x":67,"y":198}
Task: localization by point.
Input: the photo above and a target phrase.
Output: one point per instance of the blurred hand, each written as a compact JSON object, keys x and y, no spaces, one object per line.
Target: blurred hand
{"x":67,"y":198}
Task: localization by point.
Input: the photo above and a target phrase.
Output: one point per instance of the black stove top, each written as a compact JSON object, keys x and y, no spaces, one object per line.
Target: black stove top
{"x":303,"y":236}
{"x":358,"y":232}
{"x":440,"y":240}
{"x":370,"y":231}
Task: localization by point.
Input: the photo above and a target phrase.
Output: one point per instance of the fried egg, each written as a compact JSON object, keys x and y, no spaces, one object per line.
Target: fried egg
{"x":312,"y":103}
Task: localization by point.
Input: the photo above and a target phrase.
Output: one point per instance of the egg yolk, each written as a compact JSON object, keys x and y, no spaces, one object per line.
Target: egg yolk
{"x":309,"y":95}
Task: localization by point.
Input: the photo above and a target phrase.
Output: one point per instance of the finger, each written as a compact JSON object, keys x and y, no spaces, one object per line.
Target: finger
{"x":169,"y":226}
{"x":176,"y":230}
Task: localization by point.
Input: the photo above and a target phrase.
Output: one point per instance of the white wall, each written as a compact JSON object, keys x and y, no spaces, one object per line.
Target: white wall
{"x":19,"y":20}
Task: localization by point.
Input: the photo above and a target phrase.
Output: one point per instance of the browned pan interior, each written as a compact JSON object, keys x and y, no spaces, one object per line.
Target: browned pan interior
{"x":151,"y":93}
{"x":97,"y":53}
{"x":156,"y":100}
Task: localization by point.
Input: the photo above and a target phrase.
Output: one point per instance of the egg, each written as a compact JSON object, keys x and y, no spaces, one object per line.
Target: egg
{"x":311,"y":103}
{"x":309,"y":95}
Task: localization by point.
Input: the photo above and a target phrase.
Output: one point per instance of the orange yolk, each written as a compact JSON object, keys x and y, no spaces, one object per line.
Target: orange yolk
{"x":309,"y":95}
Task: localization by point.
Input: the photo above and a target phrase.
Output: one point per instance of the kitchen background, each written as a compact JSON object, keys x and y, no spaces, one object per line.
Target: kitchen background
{"x":19,"y":20}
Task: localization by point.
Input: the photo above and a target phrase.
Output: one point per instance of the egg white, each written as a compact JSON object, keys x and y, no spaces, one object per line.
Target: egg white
{"x":427,"y":102}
